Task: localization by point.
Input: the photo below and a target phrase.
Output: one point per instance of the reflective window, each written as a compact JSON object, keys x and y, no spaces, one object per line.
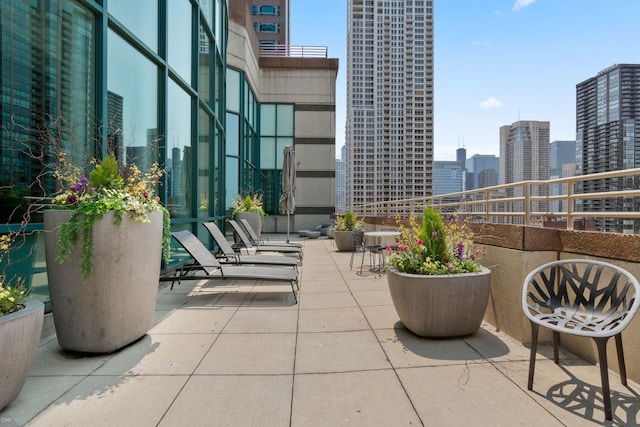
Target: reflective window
{"x":233,"y":91}
{"x":179,"y":153}
{"x":204,"y":70}
{"x":179,"y":40}
{"x":132,"y":100}
{"x":204,"y":165}
{"x":140,"y":17}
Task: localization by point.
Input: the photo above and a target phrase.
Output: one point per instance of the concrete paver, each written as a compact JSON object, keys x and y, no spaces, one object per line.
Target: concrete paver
{"x":243,"y":354}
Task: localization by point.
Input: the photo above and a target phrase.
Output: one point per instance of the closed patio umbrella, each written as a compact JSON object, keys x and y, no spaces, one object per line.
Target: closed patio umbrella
{"x":287,"y":199}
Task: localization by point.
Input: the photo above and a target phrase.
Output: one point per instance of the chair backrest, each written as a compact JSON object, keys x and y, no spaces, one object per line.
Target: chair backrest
{"x":253,"y":237}
{"x":197,"y":250}
{"x":220,"y":239}
{"x":358,"y":238}
{"x":596,"y":290}
{"x":240,"y":233}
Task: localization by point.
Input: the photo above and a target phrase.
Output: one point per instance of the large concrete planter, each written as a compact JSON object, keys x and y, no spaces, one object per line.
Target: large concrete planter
{"x":19,"y":337}
{"x":116,"y":305}
{"x":440,"y":306}
{"x":343,"y":240}
{"x":254,"y":219}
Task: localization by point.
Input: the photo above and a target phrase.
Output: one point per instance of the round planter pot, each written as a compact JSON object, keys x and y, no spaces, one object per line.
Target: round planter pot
{"x":254,"y":219}
{"x":440,"y":306}
{"x":343,"y":240}
{"x":19,"y":337}
{"x":116,"y":304}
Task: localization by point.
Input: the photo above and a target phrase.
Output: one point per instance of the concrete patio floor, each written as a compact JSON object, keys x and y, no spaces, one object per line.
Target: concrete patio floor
{"x":244,"y":355}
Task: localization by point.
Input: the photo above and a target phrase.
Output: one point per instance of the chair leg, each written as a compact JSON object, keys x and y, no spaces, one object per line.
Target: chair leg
{"x":621,"y":364}
{"x":601,"y":344}
{"x":556,"y":347}
{"x":532,"y":357}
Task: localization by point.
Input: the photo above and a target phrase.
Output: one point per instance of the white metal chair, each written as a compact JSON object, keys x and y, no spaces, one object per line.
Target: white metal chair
{"x":586,"y":298}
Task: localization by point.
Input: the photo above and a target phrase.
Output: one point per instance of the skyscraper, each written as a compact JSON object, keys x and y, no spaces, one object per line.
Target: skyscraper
{"x":524,"y":151}
{"x":389,"y":130}
{"x":482,"y":171}
{"x":524,"y":155}
{"x":608,"y":138}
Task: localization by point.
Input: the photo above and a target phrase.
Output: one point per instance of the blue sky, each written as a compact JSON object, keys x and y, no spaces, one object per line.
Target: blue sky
{"x":496,"y":61}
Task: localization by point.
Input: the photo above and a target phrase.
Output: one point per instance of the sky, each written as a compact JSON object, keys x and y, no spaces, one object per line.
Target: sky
{"x":496,"y":61}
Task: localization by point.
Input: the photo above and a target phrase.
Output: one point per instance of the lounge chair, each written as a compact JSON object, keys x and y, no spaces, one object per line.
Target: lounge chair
{"x":257,"y":241}
{"x":246,"y":243}
{"x":226,"y":254}
{"x":206,"y":266}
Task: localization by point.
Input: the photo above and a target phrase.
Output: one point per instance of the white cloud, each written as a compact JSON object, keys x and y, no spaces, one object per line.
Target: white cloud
{"x":520,"y":4}
{"x":490,"y":103}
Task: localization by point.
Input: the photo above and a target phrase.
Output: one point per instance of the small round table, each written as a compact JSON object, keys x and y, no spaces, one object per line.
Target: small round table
{"x":380,"y":235}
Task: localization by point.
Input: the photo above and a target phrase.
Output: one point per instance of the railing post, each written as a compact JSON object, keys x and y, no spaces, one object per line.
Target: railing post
{"x":527,"y":202}
{"x":570,"y":216}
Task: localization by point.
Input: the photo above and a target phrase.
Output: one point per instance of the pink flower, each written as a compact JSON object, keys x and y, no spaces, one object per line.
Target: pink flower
{"x":157,"y":198}
{"x":404,"y":247}
{"x":145,"y":194}
{"x":389,"y":249}
{"x":420,"y":241}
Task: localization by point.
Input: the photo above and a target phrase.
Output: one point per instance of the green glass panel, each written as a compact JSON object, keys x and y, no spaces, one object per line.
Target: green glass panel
{"x":285,"y":120}
{"x":140,"y":17}
{"x":179,"y":40}
{"x":180,"y":153}
{"x":267,"y":153}
{"x":268,"y":119}
{"x":233,"y":91}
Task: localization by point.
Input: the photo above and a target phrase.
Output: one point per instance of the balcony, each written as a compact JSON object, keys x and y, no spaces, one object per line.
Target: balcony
{"x":237,"y":353}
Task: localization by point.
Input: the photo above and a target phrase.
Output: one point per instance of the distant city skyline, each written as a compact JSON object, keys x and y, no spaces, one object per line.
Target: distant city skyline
{"x":497,"y":62}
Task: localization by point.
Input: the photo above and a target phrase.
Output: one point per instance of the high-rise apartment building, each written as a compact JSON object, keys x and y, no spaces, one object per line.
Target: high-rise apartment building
{"x":524,"y":156}
{"x":389,"y":130}
{"x":524,"y":151}
{"x":608,"y":138}
{"x":271,"y":21}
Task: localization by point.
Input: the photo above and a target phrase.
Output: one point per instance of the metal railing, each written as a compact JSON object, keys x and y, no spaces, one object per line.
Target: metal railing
{"x":293,"y":51}
{"x":614,"y":195}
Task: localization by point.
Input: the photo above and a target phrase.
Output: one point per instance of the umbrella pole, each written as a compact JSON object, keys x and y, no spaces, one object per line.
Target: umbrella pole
{"x":287,"y":226}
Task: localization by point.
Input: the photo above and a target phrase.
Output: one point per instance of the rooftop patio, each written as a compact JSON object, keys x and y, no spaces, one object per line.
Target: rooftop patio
{"x":243,"y":354}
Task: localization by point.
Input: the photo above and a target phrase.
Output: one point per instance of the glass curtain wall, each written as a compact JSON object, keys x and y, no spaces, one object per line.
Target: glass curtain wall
{"x":276,"y":132}
{"x":143,"y":80}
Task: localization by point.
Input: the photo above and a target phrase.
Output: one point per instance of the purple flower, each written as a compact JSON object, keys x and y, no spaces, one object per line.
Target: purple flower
{"x":82,"y":185}
{"x":71,"y":198}
{"x":460,"y":250}
{"x":434,"y":235}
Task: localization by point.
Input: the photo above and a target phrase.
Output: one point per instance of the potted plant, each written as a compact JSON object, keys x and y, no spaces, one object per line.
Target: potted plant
{"x":438,"y":287}
{"x":104,"y":249}
{"x":20,"y":330}
{"x":343,"y":228}
{"x":249,"y":207}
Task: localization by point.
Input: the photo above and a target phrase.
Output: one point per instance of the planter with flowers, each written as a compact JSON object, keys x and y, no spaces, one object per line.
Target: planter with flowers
{"x":20,"y":330}
{"x":104,"y":249}
{"x":249,"y":207}
{"x":343,"y":229}
{"x":438,"y":287}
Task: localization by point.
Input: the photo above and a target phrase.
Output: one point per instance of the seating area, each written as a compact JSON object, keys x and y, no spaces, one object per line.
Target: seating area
{"x":243,"y":353}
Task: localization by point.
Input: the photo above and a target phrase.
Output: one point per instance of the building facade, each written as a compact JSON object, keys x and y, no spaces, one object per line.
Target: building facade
{"x":447,"y":177}
{"x":482,"y":171}
{"x":562,"y":160}
{"x":271,"y":21}
{"x":608,"y":138}
{"x":176,"y":82}
{"x":389,"y":126}
{"x":524,"y":156}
